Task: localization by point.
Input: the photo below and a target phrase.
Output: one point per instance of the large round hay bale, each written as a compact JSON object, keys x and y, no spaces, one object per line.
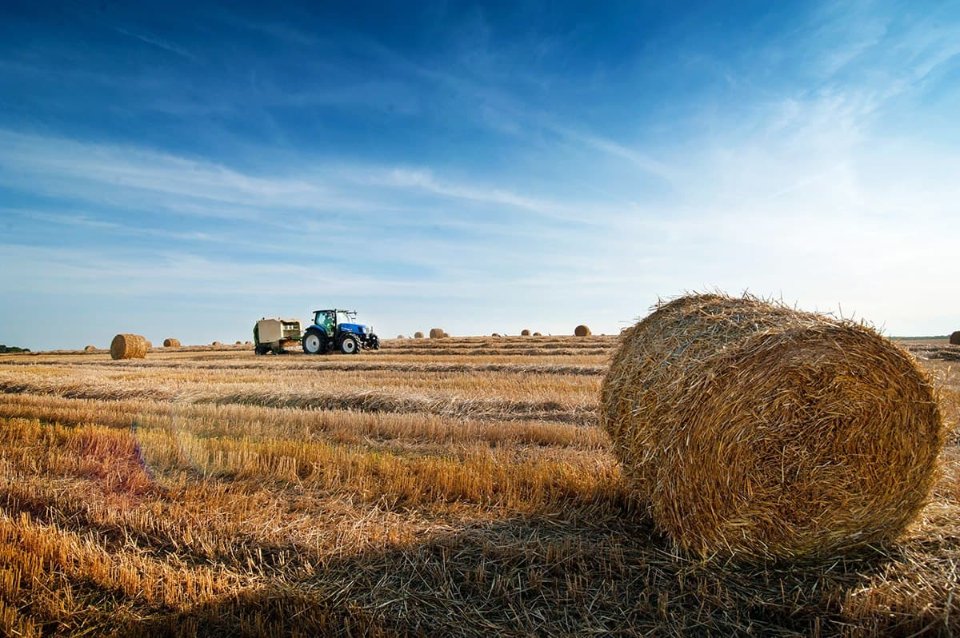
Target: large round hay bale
{"x":537,"y":334}
{"x":755,"y":430}
{"x":437,"y":333}
{"x":955,"y":338}
{"x":128,"y":346}
{"x":524,"y":333}
{"x":581,"y":331}
{"x":90,"y":349}
{"x":170,"y":342}
{"x":418,"y":335}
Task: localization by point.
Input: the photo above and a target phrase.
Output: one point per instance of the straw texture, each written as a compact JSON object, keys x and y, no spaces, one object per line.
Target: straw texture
{"x":754,"y":430}
{"x":955,"y":338}
{"x":582,"y":331}
{"x":170,"y":342}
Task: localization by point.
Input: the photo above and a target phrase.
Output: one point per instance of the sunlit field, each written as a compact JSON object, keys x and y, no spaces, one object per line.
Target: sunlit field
{"x":441,"y":487}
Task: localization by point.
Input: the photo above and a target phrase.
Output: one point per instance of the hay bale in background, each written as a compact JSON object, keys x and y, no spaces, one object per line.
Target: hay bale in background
{"x":537,"y":334}
{"x":170,"y":342}
{"x":90,"y":349}
{"x":581,"y":331}
{"x":955,"y":338}
{"x":216,"y":344}
{"x":755,"y":430}
{"x":128,"y":346}
{"x":418,"y":335}
{"x":446,"y":335}
{"x":148,"y":344}
{"x":437,"y":333}
{"x":524,"y":333}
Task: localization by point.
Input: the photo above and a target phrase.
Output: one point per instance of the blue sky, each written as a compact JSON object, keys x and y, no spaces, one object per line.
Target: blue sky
{"x":182,"y":170}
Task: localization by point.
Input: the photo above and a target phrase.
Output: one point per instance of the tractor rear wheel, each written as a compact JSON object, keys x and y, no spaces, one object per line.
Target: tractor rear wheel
{"x":314,"y":343}
{"x":349,"y":345}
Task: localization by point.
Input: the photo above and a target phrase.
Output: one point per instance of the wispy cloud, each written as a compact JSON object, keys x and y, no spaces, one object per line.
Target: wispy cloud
{"x":157,"y":42}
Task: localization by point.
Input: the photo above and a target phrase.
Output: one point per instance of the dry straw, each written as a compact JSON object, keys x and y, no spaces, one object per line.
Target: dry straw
{"x":90,"y":349}
{"x":170,"y":342}
{"x":437,"y":333}
{"x":582,"y":331}
{"x":955,"y":338}
{"x":755,"y":430}
{"x":128,"y":346}
{"x":418,"y":335}
{"x":524,"y":333}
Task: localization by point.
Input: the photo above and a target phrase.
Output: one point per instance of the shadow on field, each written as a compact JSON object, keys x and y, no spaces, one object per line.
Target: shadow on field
{"x":586,"y":572}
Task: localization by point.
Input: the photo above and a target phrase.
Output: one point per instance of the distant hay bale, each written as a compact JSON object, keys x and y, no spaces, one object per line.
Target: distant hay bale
{"x":238,"y":343}
{"x":446,"y":335}
{"x":537,"y":334}
{"x":437,"y":333}
{"x":955,"y":338}
{"x":216,"y":344}
{"x":755,"y":430}
{"x":170,"y":342}
{"x":524,"y":333}
{"x":128,"y":346}
{"x":400,"y":337}
{"x":582,"y":331}
{"x":148,"y":344}
{"x":90,"y":349}
{"x":418,"y":335}
{"x":495,"y":334}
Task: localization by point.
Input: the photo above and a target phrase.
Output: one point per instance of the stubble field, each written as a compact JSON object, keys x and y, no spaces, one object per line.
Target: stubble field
{"x":437,"y":487}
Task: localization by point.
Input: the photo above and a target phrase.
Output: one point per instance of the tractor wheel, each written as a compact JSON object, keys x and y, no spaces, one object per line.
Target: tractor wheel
{"x":349,"y":345}
{"x":260,"y":350}
{"x":314,"y":343}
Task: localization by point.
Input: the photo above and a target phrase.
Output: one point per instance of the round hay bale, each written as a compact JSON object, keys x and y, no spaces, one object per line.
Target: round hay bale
{"x":525,"y":333}
{"x":437,"y":333}
{"x":90,"y":349}
{"x":581,"y":331}
{"x":537,"y":334}
{"x":216,"y":344}
{"x":418,"y":335}
{"x":446,"y":335}
{"x":128,"y":346}
{"x":170,"y":342}
{"x":495,"y":334}
{"x":755,"y":430}
{"x":955,"y":338}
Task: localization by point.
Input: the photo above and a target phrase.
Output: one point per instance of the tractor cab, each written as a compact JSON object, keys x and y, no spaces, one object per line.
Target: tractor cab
{"x":337,"y":329}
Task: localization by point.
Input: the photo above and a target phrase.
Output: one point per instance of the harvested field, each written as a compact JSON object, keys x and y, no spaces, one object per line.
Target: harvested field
{"x":452,"y":487}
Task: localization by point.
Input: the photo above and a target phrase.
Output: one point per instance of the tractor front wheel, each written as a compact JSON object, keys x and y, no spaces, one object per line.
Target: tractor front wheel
{"x":349,"y":345}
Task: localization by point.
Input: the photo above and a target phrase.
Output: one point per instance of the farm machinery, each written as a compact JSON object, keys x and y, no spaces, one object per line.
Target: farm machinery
{"x":331,"y":330}
{"x":272,"y":335}
{"x":337,"y":330}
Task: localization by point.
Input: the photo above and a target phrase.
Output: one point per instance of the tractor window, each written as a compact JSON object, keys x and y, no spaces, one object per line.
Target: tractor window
{"x":325,"y":319}
{"x":342,"y":317}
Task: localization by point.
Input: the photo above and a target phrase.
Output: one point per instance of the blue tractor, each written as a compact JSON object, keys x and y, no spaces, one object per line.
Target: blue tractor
{"x":338,"y":330}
